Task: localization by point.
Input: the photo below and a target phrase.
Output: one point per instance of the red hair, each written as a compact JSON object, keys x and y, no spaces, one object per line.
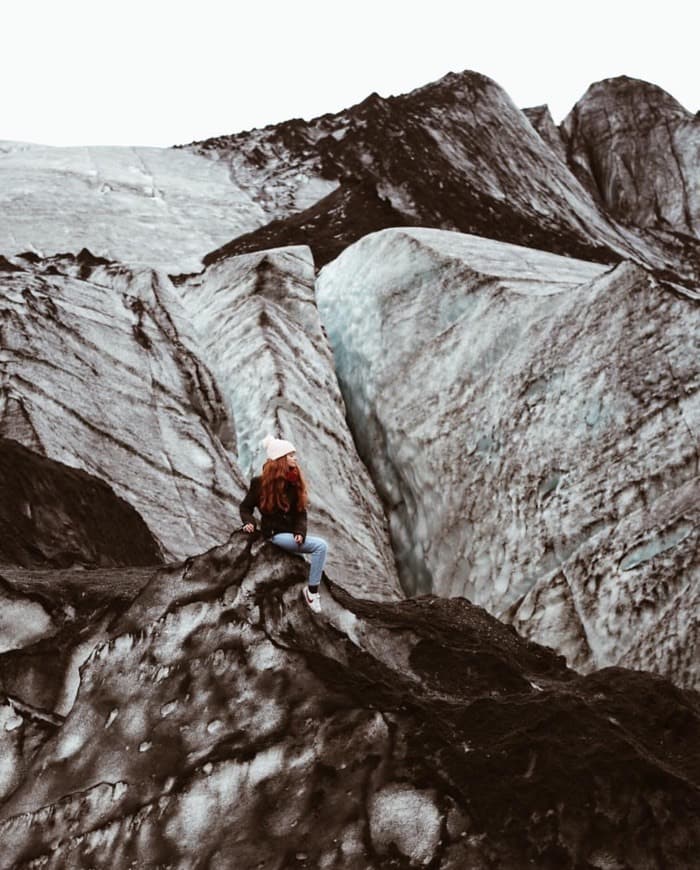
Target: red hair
{"x":273,"y":487}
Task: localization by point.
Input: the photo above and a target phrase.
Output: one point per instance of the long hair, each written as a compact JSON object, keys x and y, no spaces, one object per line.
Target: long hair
{"x":273,"y":487}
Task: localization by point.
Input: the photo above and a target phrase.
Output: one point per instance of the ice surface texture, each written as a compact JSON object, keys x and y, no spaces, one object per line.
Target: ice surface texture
{"x":531,"y":422}
{"x":153,"y":207}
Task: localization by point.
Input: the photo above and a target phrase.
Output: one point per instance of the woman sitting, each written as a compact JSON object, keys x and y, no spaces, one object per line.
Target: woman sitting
{"x":280,"y":495}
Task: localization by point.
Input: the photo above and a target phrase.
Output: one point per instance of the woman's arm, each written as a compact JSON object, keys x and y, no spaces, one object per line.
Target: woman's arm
{"x":300,"y":524}
{"x":250,"y":502}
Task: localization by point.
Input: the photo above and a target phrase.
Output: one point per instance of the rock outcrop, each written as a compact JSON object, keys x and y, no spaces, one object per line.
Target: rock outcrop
{"x":224,"y":724}
{"x":638,"y":151}
{"x":51,"y":616}
{"x":260,"y":333}
{"x":532,"y":425}
{"x":51,"y":621}
{"x":97,"y":371}
{"x":23,"y":731}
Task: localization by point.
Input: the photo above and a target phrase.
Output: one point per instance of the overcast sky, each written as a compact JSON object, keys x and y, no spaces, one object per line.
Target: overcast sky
{"x":146,"y":72}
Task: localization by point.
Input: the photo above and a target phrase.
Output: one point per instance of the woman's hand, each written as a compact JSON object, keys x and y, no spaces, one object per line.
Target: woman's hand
{"x":299,"y":539}
{"x":248,"y":528}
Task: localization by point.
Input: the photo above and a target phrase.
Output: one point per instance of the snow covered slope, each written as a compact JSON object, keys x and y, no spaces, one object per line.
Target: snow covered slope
{"x":97,"y":371}
{"x":260,"y":334}
{"x":519,"y":411}
{"x":154,"y":207}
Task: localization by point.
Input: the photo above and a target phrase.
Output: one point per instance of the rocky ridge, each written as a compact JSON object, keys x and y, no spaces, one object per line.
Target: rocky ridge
{"x":223,"y":723}
{"x":455,"y":154}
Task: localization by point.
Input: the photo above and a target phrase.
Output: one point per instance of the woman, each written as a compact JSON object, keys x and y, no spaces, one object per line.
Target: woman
{"x":280,"y":496}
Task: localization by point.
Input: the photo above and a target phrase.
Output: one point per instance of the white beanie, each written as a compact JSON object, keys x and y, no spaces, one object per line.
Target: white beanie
{"x":277,"y":447}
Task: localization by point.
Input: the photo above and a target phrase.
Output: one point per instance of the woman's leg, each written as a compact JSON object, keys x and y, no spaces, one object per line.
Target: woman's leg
{"x":315,"y":547}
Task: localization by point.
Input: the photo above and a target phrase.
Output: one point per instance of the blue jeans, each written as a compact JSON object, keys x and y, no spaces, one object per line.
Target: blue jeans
{"x":316,"y":547}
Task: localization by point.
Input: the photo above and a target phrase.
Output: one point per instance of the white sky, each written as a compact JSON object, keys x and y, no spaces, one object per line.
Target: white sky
{"x":149,"y":72}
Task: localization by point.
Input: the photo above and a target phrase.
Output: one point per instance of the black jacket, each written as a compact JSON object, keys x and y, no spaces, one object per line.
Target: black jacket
{"x":293,"y":520}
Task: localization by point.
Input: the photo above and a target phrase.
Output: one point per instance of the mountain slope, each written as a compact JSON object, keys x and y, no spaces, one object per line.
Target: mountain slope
{"x":455,"y":154}
{"x":351,"y":211}
{"x":149,"y":207}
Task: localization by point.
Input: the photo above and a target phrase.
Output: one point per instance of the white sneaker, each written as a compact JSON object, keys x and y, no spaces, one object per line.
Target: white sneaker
{"x":313,"y":599}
